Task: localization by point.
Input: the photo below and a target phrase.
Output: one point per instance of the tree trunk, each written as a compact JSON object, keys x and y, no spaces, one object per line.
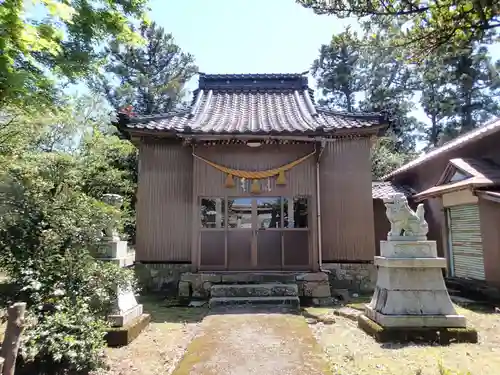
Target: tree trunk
{"x":12,"y":338}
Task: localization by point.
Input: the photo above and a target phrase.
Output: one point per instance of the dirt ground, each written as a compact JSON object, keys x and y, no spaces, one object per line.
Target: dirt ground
{"x":352,"y":352}
{"x":348,"y":350}
{"x":161,"y":346}
{"x":242,"y":341}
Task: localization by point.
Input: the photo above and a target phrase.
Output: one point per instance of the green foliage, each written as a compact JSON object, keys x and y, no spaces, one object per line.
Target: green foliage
{"x":57,"y":39}
{"x":460,"y":91}
{"x":49,"y":229}
{"x":458,"y":86}
{"x":446,"y":371}
{"x":60,"y":129}
{"x":150,"y":77}
{"x":338,"y":71}
{"x":386,"y":159}
{"x":110,"y":166}
{"x":70,"y":339}
{"x":428,"y":26}
{"x":355,"y":76}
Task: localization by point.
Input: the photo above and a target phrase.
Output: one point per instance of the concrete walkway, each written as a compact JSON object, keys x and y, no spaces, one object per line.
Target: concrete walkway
{"x":242,"y":342}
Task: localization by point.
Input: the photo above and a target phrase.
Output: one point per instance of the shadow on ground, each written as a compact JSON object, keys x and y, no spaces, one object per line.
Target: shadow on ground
{"x":169,"y":311}
{"x":479,"y":307}
{"x":248,"y":309}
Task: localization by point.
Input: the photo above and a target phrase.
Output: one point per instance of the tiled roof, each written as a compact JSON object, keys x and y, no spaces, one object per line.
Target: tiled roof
{"x":474,"y":135}
{"x":384,"y":189}
{"x":254,"y":104}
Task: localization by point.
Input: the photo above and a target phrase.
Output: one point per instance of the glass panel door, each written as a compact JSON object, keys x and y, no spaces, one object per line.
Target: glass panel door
{"x":269,"y":219}
{"x":240,"y":233}
{"x":254,"y":233}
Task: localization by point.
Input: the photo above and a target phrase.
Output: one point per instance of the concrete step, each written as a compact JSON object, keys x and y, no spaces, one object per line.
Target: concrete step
{"x":254,"y":290}
{"x":253,"y":301}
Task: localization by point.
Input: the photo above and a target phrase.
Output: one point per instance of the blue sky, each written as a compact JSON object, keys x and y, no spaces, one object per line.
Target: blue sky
{"x":238,"y":36}
{"x":250,"y":36}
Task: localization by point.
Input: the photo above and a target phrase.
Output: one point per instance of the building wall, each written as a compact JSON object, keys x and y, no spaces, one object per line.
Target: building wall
{"x":489,"y":213}
{"x":381,"y":223}
{"x":170,"y":179}
{"x":300,"y":180}
{"x":164,"y":202}
{"x":426,"y":175}
{"x":348,"y":232}
{"x":459,"y":197}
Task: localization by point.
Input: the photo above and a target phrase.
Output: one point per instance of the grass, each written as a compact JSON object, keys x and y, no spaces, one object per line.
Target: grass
{"x":352,"y":352}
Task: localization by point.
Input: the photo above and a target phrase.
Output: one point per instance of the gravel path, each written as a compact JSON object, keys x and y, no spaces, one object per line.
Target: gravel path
{"x":239,"y":342}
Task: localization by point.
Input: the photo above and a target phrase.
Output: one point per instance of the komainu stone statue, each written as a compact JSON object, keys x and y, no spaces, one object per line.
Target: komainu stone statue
{"x":116,"y":201}
{"x":405,"y":223}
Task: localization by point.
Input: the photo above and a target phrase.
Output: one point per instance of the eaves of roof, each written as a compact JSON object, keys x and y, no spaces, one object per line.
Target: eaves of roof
{"x":475,"y":135}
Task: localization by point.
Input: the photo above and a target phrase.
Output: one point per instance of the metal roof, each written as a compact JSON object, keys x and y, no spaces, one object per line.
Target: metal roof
{"x":254,"y":104}
{"x":481,"y":173}
{"x":472,"y":136}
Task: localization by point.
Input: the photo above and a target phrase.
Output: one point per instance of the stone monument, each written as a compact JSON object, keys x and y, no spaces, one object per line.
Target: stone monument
{"x":410,"y":290}
{"x":125,"y":307}
{"x":114,"y":249}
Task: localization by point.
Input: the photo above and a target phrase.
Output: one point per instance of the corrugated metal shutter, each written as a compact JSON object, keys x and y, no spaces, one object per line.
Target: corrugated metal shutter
{"x":466,"y":242}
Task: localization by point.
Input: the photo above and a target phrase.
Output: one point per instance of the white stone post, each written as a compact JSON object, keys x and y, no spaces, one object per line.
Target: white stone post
{"x":410,"y":290}
{"x":125,"y":307}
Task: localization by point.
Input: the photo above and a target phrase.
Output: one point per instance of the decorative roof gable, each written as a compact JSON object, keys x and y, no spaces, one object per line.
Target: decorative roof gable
{"x":464,"y":173}
{"x":256,"y":104}
{"x":452,"y":173}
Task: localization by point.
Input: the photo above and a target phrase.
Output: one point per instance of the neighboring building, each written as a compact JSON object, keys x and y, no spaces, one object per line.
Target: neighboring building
{"x":460,"y":183}
{"x":254,"y":176}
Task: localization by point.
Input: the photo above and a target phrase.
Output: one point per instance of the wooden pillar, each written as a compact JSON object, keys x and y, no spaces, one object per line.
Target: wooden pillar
{"x":12,"y":338}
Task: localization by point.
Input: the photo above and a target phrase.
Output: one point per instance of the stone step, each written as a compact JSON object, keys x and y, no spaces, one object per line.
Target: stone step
{"x":256,"y":278}
{"x":254,"y":290}
{"x":268,"y":301}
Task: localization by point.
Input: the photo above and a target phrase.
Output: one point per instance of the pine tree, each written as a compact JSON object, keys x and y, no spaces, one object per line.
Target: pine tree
{"x":150,"y":77}
{"x":390,"y":82}
{"x":337,"y":71}
{"x":460,"y":91}
{"x":358,"y":76}
{"x":431,"y":25}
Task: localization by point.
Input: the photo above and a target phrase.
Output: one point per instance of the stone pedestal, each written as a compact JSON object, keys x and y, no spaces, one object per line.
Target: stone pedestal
{"x":116,"y":251}
{"x":125,"y":308}
{"x":410,"y":290}
{"x":127,"y":319}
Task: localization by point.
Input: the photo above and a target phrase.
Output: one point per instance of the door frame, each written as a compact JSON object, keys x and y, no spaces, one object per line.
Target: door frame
{"x":255,"y":230}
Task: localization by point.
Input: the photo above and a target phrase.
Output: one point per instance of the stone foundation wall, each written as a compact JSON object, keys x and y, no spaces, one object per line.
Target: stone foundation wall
{"x":355,"y":277}
{"x":313,"y":286}
{"x":159,"y":277}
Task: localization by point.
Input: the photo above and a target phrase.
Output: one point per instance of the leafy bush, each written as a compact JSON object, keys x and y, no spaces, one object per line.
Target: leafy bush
{"x":68,"y":339}
{"x":49,"y":230}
